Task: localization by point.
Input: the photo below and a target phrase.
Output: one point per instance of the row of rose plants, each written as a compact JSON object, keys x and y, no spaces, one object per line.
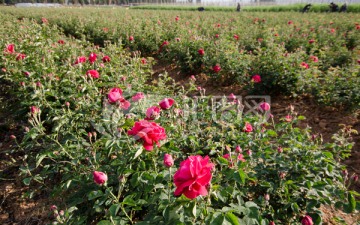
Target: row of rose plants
{"x":111,"y":147}
{"x":292,"y":53}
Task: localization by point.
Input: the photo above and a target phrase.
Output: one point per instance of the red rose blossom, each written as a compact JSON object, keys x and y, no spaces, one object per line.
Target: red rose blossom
{"x":256,"y":78}
{"x":99,"y":177}
{"x":166,"y":103}
{"x":93,"y":73}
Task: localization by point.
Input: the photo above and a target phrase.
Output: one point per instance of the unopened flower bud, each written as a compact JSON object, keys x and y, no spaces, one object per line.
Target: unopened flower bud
{"x":12,"y":137}
{"x":267,"y":197}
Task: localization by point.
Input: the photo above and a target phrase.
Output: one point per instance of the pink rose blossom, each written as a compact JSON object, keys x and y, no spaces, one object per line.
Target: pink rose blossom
{"x":92,"y":57}
{"x":193,"y":177}
{"x":166,"y":103}
{"x":148,"y":133}
{"x":106,"y":59}
{"x":256,"y":79}
{"x":152,"y":113}
{"x":115,"y":94}
{"x":93,"y":73}
{"x":137,"y":97}
{"x":264,"y":106}
{"x":80,"y":59}
{"x":216,"y":68}
{"x":248,"y":128}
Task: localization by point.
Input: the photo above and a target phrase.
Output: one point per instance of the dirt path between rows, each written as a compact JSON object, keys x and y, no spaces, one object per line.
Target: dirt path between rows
{"x":15,"y":209}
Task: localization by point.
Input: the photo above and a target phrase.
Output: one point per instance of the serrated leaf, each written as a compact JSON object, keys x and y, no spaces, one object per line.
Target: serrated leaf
{"x":114,"y":209}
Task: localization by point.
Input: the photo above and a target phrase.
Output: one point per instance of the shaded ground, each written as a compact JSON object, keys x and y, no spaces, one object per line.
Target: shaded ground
{"x":15,"y":209}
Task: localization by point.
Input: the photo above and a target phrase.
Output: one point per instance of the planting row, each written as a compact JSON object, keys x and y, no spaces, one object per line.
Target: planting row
{"x":111,"y":147}
{"x":308,"y":53}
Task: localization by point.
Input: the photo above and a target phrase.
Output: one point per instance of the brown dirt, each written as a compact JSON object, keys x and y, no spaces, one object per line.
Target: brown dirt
{"x":16,"y":209}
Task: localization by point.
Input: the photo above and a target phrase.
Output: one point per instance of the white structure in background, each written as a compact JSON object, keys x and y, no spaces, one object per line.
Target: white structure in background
{"x":38,"y":5}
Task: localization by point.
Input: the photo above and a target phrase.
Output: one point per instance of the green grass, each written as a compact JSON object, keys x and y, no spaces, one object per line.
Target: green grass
{"x":354,"y":8}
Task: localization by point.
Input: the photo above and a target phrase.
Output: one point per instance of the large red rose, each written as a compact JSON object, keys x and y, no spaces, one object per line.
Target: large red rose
{"x":147,"y":132}
{"x":193,"y":177}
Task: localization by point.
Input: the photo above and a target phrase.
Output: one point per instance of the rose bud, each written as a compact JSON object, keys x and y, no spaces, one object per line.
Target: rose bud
{"x":168,"y":160}
{"x":307,"y":220}
{"x":264,"y":106}
{"x":99,"y":177}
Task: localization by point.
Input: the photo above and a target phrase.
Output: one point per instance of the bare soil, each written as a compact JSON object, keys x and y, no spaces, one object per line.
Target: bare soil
{"x":17,"y":209}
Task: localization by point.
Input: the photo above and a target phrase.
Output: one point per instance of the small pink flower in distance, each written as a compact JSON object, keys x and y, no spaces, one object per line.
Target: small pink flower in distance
{"x":44,"y":20}
{"x":165,"y":43}
{"x":304,"y":65}
{"x":238,"y":149}
{"x":27,"y":73}
{"x":232,"y":97}
{"x":22,"y":84}
{"x":168,"y":160}
{"x":271,"y":223}
{"x":143,"y":61}
{"x":80,"y":59}
{"x":99,"y":177}
{"x":177,"y":18}
{"x":131,"y":38}
{"x":248,"y":128}
{"x":34,"y":109}
{"x":137,"y":97}
{"x":226,"y":156}
{"x":38,"y":84}
{"x":332,"y":30}
{"x":216,"y":68}
{"x":61,"y":42}
{"x":355,"y":178}
{"x":249,"y":152}
{"x":264,"y":106}
{"x":290,"y":22}
{"x":92,"y":57}
{"x":358,"y":61}
{"x":311,"y":41}
{"x":280,"y":149}
{"x":217,"y":35}
{"x":152,"y":113}
{"x":53,"y":207}
{"x":166,"y":103}
{"x":236,"y":37}
{"x":20,"y":56}
{"x":10,"y":48}
{"x":282,"y":175}
{"x":93,"y":73}
{"x":12,"y":137}
{"x":288,"y":118}
{"x":267,"y":197}
{"x":314,"y":58}
{"x":199,"y":88}
{"x":241,"y":158}
{"x":201,"y":52}
{"x":106,"y":59}
{"x":192,"y":77}
{"x":177,"y":39}
{"x":124,"y":104}
{"x":307,"y":220}
{"x":256,"y":78}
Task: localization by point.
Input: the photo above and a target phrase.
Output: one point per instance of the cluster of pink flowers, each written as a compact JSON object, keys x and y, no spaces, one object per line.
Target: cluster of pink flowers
{"x":10,"y":49}
{"x":92,"y":59}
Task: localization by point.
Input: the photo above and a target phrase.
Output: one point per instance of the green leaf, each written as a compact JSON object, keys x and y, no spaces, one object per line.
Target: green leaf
{"x":95,"y":194}
{"x":352,"y":202}
{"x":232,"y":218}
{"x":240,"y":176}
{"x":114,"y":209}
{"x":40,"y":159}
{"x":217,"y":219}
{"x":129,"y":201}
{"x":104,"y":222}
{"x":138,"y":152}
{"x":27,"y":181}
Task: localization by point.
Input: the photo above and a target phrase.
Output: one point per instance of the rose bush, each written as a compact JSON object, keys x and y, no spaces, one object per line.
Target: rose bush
{"x":227,"y":167}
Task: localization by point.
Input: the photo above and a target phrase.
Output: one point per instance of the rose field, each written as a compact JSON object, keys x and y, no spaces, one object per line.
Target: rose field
{"x":123,"y":116}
